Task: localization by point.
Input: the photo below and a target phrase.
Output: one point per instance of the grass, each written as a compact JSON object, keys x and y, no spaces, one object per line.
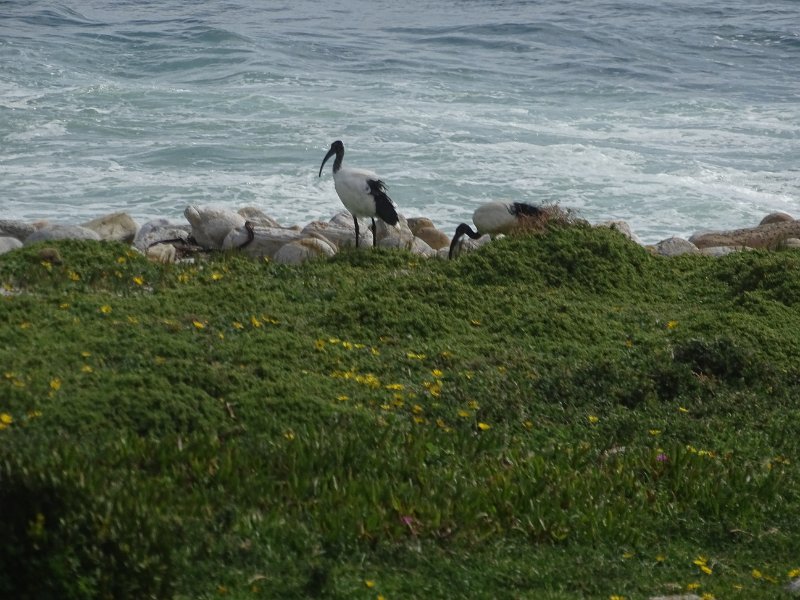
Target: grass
{"x":554,"y":416}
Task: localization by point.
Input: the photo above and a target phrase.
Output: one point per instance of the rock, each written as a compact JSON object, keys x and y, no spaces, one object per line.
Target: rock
{"x":771,"y":235}
{"x":210,"y":225}
{"x":16,"y":229}
{"x":675,"y":246}
{"x":623,"y":228}
{"x":403,"y":237}
{"x":61,"y":232}
{"x":337,"y":235}
{"x":435,"y":238}
{"x":116,"y":227}
{"x":298,"y":252}
{"x":466,"y":244}
{"x":343,"y":219}
{"x":257,"y":217}
{"x":776,"y":217}
{"x":718,"y":251}
{"x":266,"y":240}
{"x":159,"y":230}
{"x":417,"y":223}
{"x":7,"y":244}
{"x":792,"y":243}
{"x":413,"y":244}
{"x":163,"y":253}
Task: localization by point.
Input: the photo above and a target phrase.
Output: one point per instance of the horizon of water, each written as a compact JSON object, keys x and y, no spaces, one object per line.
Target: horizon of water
{"x":676,"y":117}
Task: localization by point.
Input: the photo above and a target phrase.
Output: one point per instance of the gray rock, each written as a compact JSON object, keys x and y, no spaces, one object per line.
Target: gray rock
{"x":266,"y":240}
{"x":16,"y":229}
{"x":623,"y":228}
{"x":435,"y":238}
{"x":257,"y":217}
{"x":675,"y":246}
{"x":163,"y":253}
{"x":413,"y":244}
{"x":722,"y":250}
{"x":793,"y":586}
{"x":399,"y":236}
{"x":298,"y":252}
{"x":159,"y":230}
{"x":791,"y":243}
{"x":336,"y":234}
{"x":210,"y":225}
{"x":117,"y":227}
{"x":61,"y":232}
{"x":7,"y":244}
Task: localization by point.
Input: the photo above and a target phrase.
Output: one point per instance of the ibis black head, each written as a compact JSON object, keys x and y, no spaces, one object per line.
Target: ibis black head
{"x":460,"y":231}
{"x":337,"y":148}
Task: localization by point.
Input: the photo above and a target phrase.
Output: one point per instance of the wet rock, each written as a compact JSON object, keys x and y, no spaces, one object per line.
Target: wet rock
{"x":16,"y":229}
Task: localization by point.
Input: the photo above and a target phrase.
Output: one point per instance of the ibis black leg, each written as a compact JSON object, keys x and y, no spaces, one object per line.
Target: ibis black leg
{"x":374,"y":234}
{"x":355,"y":222}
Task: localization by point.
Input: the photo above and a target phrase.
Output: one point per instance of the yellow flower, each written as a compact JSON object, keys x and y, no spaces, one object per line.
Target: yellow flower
{"x":121,"y":260}
{"x":64,"y":305}
{"x":707,"y":596}
{"x":138,"y":280}
{"x":415,"y":356}
{"x":672,"y":324}
{"x":475,"y":323}
{"x":394,"y":386}
{"x":660,"y":558}
{"x":416,"y":409}
{"x":347,"y":345}
{"x":47,"y":265}
{"x":683,"y":410}
{"x":216,"y":276}
{"x":25,"y":325}
{"x":692,"y":586}
{"x":6,"y":419}
{"x":289,"y":435}
{"x":615,"y":597}
{"x":342,"y":398}
{"x":593,"y":419}
{"x":527,"y":424}
{"x":793,"y":573}
{"x":473,"y":404}
{"x":464,"y":414}
{"x":757,"y":574}
{"x":369,"y":583}
{"x":437,"y":373}
{"x":627,"y":555}
{"x":484,"y":426}
{"x":237,"y":325}
{"x":73,"y":276}
{"x":87,"y":369}
{"x":105,"y":309}
{"x":374,"y":351}
{"x":183,"y":278}
{"x":654,"y":432}
{"x":86,"y":354}
{"x":55,"y":384}
{"x":419,"y":420}
{"x":198,"y":324}
{"x":255,"y":322}
{"x":706,"y":569}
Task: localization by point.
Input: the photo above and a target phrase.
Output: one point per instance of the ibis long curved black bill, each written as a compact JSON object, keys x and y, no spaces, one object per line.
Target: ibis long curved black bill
{"x":330,"y":153}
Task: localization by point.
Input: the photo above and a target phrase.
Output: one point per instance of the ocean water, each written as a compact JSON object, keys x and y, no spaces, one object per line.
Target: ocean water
{"x":675,"y":116}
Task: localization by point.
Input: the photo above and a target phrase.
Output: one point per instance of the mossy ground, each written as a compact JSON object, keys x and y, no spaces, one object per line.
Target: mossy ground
{"x":553,"y":416}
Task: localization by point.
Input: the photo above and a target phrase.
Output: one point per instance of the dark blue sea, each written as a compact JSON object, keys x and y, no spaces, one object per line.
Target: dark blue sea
{"x":676,"y":116}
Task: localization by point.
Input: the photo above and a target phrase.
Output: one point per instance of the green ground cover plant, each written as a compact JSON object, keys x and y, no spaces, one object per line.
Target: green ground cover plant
{"x":555,"y":416}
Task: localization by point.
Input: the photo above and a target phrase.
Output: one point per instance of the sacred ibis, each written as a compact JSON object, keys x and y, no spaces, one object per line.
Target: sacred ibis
{"x":361,"y":191}
{"x":494,"y":218}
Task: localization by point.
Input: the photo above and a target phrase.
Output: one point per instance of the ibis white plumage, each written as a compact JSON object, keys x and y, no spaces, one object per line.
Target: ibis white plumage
{"x":494,"y":218}
{"x":362,"y":192}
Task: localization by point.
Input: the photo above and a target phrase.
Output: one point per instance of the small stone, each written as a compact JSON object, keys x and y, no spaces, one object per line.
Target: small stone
{"x":160,"y":230}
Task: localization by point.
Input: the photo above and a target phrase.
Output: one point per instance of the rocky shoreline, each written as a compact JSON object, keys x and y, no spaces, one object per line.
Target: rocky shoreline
{"x":256,"y":234}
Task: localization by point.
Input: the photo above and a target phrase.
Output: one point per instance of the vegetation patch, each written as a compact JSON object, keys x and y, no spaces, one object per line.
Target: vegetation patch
{"x":558,"y":415}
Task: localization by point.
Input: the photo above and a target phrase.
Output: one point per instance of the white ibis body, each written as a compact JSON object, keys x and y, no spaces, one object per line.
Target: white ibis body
{"x":494,"y":218}
{"x":362,"y":192}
